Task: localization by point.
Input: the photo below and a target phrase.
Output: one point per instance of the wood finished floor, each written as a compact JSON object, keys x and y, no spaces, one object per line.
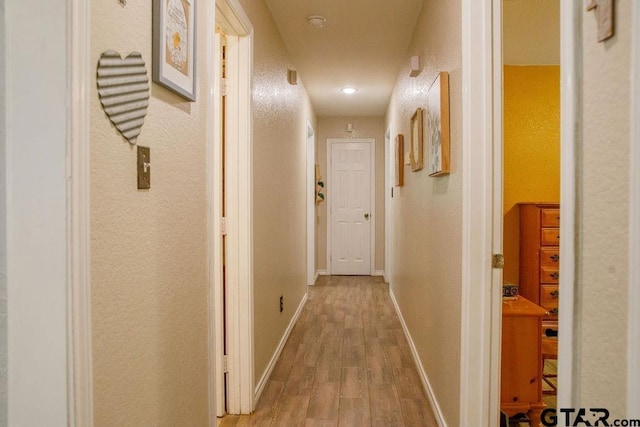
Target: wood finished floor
{"x":346,"y":363}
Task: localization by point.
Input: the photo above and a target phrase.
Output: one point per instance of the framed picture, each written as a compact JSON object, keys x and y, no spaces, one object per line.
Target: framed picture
{"x":416,"y":141}
{"x":399,"y":163}
{"x":438,"y":125}
{"x":174,"y":46}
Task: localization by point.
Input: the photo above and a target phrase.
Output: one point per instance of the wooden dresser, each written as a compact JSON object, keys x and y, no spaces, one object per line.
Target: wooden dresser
{"x":540,"y":257}
{"x":521,"y":360}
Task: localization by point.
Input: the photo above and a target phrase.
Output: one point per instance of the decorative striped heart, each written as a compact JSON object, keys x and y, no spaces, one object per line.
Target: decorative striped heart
{"x":123,"y":87}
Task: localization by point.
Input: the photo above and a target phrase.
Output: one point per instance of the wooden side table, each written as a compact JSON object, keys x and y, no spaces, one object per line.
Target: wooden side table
{"x":521,"y":366}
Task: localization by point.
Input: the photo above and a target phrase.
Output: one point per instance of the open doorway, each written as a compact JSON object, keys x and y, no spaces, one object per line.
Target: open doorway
{"x":230,"y":193}
{"x":531,"y":207}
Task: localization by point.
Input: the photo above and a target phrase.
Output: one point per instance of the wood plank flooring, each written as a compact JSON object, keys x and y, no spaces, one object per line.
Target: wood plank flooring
{"x":346,"y":363}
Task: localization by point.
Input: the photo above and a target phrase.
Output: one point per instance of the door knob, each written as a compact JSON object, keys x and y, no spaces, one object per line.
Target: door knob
{"x":366,"y":216}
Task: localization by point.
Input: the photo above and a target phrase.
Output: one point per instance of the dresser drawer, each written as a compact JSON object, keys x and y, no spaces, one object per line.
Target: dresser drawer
{"x":549,"y":296}
{"x":550,"y":236}
{"x":550,"y":217}
{"x":549,"y":275}
{"x":550,"y":257}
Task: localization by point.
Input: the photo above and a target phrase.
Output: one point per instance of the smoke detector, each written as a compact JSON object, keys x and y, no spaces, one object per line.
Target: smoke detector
{"x":316,"y":21}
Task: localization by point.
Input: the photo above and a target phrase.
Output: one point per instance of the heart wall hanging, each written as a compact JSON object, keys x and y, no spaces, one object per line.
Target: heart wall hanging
{"x":123,"y":88}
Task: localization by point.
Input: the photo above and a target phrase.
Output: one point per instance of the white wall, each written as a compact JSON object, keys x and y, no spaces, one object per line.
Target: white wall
{"x":280,"y":114}
{"x":426,"y":246}
{"x":149,"y":261}
{"x":3,"y":232}
{"x":36,"y":104}
{"x":603,"y":223}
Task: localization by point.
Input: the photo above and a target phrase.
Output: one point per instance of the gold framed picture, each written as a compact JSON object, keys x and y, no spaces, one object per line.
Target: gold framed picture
{"x":399,"y":163}
{"x":416,"y":153}
{"x":438,"y":125}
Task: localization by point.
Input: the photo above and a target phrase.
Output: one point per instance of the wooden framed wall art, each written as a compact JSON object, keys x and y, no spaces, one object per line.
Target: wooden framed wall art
{"x":416,"y":154}
{"x":174,"y":46}
{"x":438,"y":125}
{"x":399,"y":161}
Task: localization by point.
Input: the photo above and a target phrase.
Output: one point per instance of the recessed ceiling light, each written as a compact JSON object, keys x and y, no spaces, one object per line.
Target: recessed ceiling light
{"x":316,"y":21}
{"x":349,"y":90}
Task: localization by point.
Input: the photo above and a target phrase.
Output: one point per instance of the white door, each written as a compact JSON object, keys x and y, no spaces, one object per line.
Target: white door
{"x":350,"y":194}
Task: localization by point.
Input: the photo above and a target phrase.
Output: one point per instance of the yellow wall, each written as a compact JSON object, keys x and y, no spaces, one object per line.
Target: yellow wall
{"x":531,"y":148}
{"x":426,"y":246}
{"x":149,"y":248}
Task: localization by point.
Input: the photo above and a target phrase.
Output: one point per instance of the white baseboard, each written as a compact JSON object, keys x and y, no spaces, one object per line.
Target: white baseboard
{"x":315,"y":279}
{"x":423,"y":375}
{"x":378,"y":273}
{"x":321,"y":273}
{"x":272,"y":363}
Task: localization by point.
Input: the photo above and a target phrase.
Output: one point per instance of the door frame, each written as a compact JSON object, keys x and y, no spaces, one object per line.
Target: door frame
{"x":372,"y":142}
{"x":482,"y":179}
{"x":50,"y":377}
{"x":570,"y":107}
{"x":479,"y":360}
{"x":388,"y":171}
{"x":633,"y":369}
{"x":80,"y":350}
{"x":311,"y":204}
{"x":239,"y":204}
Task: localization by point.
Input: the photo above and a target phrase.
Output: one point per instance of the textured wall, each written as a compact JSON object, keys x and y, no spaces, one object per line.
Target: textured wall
{"x":3,"y":234}
{"x":531,"y":148}
{"x":280,"y":113}
{"x":525,"y":21}
{"x":427,"y":212}
{"x":363,"y":127}
{"x":603,"y":203}
{"x":149,"y":252}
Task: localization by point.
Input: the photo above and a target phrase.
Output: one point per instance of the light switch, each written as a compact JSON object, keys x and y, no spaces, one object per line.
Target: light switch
{"x":144,"y":168}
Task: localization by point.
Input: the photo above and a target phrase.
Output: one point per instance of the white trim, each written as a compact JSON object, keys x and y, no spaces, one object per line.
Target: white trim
{"x":571,"y":71}
{"x":239,"y":203}
{"x":315,"y":277}
{"x":80,"y":354}
{"x":433,"y":402}
{"x":215,"y":297}
{"x":276,"y":355}
{"x":311,"y":203}
{"x":37,"y":168}
{"x":633,"y":391}
{"x":372,"y":142}
{"x":388,"y":173}
{"x":495,"y":339}
{"x":321,"y":273}
{"x":477,"y":398}
{"x":378,"y":273}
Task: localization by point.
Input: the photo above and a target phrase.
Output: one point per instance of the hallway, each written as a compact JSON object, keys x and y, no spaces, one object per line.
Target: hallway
{"x":346,"y":363}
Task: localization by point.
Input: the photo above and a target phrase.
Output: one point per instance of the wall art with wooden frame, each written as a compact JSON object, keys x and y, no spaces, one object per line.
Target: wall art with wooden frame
{"x":399,"y":163}
{"x":438,"y":136}
{"x":416,"y":154}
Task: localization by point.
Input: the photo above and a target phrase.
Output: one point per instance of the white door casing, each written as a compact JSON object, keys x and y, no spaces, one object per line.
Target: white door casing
{"x":230,"y":15}
{"x":311,"y":204}
{"x":388,"y":173}
{"x":350,"y":223}
{"x":633,"y":392}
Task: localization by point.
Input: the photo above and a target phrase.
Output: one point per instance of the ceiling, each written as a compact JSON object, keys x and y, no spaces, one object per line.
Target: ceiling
{"x":362,"y":44}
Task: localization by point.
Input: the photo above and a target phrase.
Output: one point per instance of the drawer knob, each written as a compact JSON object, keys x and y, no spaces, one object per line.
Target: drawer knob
{"x":553,"y":311}
{"x":555,"y":257}
{"x":555,"y":293}
{"x":555,"y":275}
